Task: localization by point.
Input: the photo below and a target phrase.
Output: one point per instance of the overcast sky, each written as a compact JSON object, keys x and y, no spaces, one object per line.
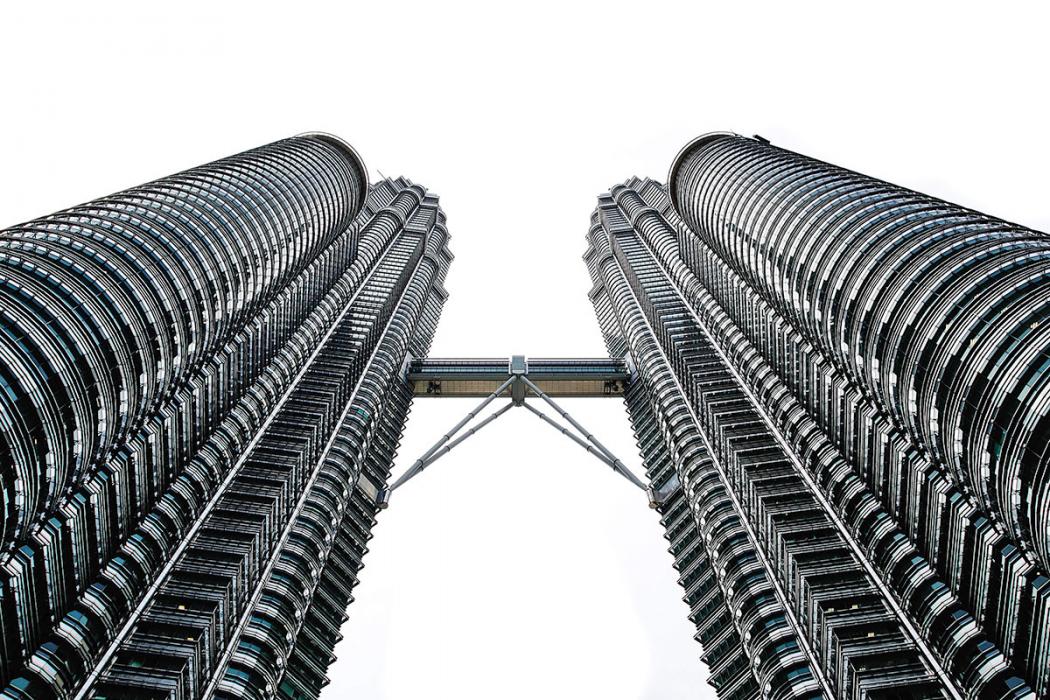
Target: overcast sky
{"x":519,"y":566}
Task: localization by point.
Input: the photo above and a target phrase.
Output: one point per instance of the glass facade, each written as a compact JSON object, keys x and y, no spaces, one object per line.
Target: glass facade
{"x":842,"y":386}
{"x":840,"y":390}
{"x":203,"y":391}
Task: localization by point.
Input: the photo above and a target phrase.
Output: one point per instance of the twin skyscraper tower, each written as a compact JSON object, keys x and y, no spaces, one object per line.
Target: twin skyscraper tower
{"x":840,"y":390}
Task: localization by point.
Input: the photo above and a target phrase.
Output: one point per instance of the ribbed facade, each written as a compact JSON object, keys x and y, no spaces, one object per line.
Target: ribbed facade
{"x":844,"y":387}
{"x":202,"y":392}
{"x":840,"y":390}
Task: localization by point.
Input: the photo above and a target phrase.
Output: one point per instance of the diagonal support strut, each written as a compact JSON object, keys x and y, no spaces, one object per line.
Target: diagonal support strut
{"x":383,"y":498}
{"x":517,"y":382}
{"x":615,"y":463}
{"x":584,"y":444}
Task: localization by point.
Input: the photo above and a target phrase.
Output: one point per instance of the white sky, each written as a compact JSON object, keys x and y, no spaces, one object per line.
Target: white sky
{"x":519,"y":566}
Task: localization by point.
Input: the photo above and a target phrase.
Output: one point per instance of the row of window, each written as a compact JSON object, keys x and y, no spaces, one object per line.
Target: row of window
{"x":111,"y":305}
{"x":93,"y":521}
{"x":298,"y":620}
{"x":730,"y":564}
{"x":921,"y":498}
{"x":313,"y":460}
{"x":644,"y":217}
{"x":163,"y":528}
{"x":727,"y":663}
{"x":951,"y":303}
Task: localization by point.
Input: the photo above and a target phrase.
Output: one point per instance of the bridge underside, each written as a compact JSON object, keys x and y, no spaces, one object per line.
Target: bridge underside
{"x":479,"y":377}
{"x":518,"y":379}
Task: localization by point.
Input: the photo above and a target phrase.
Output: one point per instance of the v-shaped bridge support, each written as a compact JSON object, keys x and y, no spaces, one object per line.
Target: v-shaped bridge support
{"x":519,"y":380}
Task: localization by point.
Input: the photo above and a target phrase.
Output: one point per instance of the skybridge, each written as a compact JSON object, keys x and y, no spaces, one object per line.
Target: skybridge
{"x":586,"y":377}
{"x":518,"y":379}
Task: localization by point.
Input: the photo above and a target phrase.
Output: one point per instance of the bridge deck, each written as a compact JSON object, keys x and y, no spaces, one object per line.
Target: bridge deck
{"x":575,"y":377}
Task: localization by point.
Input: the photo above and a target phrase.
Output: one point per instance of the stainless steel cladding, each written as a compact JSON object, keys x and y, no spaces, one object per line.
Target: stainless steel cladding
{"x":202,"y":393}
{"x":109,"y":308}
{"x":851,"y":382}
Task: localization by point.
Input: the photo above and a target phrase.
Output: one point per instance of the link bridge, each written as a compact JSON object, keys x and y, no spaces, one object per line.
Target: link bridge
{"x":519,"y":379}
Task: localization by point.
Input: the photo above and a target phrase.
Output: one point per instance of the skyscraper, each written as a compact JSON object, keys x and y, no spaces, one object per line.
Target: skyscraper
{"x":841,"y":391}
{"x":202,"y":392}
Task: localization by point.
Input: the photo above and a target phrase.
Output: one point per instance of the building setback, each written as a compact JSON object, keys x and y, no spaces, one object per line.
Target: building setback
{"x":841,"y":391}
{"x":201,"y":393}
